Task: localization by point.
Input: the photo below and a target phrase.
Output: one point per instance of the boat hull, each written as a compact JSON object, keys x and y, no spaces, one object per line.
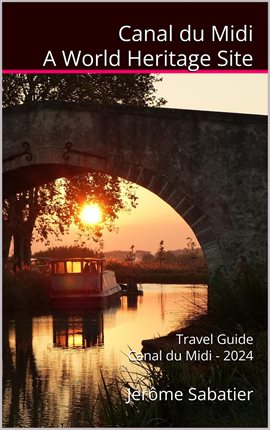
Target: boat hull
{"x":94,"y":300}
{"x":84,"y":289}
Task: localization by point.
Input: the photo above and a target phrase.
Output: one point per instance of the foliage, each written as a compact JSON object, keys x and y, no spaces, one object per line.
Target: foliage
{"x":137,"y":90}
{"x":181,"y":376}
{"x":242,"y":302}
{"x":168,"y":273}
{"x":67,"y":252}
{"x":190,"y":243}
{"x":237,"y":310}
{"x":180,"y":269}
{"x":160,"y":253}
{"x":53,"y":207}
{"x":131,"y":255}
{"x":112,"y":195}
{"x":147,"y":258}
{"x":181,"y":258}
{"x":25,"y":291}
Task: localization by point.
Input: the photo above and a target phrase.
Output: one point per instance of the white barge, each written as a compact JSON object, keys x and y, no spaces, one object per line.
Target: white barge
{"x":82,"y":282}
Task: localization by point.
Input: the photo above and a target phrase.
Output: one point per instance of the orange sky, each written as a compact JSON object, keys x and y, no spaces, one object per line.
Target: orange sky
{"x":154,"y":220}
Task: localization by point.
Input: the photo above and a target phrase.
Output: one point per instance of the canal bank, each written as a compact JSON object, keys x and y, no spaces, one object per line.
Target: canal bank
{"x":29,"y":291}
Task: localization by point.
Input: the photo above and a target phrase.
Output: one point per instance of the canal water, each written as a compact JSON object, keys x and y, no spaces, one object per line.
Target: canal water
{"x":53,"y":363}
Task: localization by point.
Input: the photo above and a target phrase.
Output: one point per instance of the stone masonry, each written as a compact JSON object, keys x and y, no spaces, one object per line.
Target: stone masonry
{"x":210,"y":167}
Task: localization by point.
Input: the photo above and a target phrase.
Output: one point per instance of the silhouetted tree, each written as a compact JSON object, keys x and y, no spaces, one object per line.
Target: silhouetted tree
{"x":51,"y":208}
{"x":191,"y":248}
{"x":160,"y":253}
{"x":131,"y":254}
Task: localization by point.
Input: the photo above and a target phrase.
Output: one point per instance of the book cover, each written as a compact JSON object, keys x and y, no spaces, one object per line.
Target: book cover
{"x":134,"y":214}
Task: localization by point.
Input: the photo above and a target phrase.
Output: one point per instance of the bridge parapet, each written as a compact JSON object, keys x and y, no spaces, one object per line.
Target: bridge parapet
{"x":210,"y":167}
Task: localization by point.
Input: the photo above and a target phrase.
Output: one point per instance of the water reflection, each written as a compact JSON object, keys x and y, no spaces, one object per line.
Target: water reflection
{"x":22,"y":385}
{"x":52,"y":363}
{"x":78,"y":331}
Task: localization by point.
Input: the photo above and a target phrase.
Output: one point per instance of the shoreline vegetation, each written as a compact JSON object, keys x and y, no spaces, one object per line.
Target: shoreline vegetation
{"x":28,"y":289}
{"x":234,"y":308}
{"x":166,"y":274}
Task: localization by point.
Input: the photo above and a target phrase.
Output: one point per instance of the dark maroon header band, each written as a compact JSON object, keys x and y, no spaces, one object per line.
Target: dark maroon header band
{"x":137,"y":36}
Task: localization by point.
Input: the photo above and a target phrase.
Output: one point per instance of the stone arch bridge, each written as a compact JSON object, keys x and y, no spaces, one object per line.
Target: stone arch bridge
{"x":209,"y":167}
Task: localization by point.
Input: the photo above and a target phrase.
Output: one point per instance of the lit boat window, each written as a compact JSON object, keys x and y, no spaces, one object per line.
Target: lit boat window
{"x":75,"y":340}
{"x":73,"y":267}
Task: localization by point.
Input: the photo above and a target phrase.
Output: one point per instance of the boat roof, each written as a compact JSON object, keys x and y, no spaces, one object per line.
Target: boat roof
{"x":41,"y":258}
{"x":85,"y":259}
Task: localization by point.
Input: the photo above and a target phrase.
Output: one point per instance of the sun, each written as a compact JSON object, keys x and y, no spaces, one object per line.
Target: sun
{"x":91,"y":214}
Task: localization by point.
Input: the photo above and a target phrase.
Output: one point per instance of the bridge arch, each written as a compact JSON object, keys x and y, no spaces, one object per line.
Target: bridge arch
{"x":209,"y":167}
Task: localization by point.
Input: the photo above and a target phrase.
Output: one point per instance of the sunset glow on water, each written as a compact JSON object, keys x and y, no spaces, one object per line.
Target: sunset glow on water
{"x":58,"y":359}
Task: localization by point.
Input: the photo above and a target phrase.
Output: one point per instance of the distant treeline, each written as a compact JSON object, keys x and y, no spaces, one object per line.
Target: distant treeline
{"x":183,"y":256}
{"x":67,"y":252}
{"x":181,"y":266}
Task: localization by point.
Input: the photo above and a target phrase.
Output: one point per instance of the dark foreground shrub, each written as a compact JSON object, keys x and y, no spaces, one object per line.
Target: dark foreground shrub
{"x":249,"y":375}
{"x":26,"y":291}
{"x":242,"y":302}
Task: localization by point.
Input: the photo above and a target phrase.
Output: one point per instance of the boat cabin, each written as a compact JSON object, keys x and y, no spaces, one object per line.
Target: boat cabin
{"x":81,"y":278}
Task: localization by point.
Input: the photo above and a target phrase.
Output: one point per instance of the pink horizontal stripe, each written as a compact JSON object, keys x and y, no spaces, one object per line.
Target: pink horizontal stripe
{"x":123,"y":71}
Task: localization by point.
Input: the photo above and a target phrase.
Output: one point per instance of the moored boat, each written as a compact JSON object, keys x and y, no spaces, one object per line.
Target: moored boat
{"x":82,"y":282}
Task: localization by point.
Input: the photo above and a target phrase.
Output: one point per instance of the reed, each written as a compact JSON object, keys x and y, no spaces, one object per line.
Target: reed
{"x":180,"y":376}
{"x":237,"y":308}
{"x":241,"y":302}
{"x":152,"y":272}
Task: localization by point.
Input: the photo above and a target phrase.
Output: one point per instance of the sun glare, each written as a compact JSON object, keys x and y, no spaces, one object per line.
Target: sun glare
{"x":91,"y":214}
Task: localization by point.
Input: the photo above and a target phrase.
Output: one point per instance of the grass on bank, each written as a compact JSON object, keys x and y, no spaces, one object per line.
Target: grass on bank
{"x":188,"y":267}
{"x":165,"y":273}
{"x":237,"y":308}
{"x":178,"y":376}
{"x":28,"y":290}
{"x":234,"y":309}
